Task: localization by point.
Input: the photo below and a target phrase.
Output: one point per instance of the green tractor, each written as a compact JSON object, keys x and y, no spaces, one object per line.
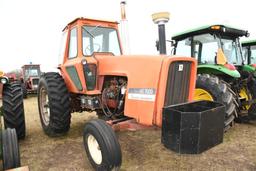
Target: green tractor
{"x":249,"y":52}
{"x":222,"y":75}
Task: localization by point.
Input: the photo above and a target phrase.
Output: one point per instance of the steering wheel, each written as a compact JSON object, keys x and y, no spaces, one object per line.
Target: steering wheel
{"x":96,"y":48}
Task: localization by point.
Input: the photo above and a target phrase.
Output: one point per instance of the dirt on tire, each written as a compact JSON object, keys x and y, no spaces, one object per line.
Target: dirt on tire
{"x":141,"y":150}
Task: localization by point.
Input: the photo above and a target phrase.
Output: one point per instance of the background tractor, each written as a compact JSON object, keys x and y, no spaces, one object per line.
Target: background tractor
{"x":222,"y":76}
{"x":30,"y":78}
{"x":13,"y":116}
{"x":95,"y":76}
{"x":249,"y":52}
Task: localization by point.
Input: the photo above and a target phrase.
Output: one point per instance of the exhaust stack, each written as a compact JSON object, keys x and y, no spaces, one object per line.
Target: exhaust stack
{"x":160,"y":19}
{"x":124,"y":29}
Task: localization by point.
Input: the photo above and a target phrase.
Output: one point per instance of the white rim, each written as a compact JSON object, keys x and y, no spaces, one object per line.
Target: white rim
{"x":94,"y":149}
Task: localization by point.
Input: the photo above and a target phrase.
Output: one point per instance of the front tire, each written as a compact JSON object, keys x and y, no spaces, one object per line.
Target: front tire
{"x":211,"y":88}
{"x":13,"y":109}
{"x":54,"y":104}
{"x":10,"y":149}
{"x":101,"y":145}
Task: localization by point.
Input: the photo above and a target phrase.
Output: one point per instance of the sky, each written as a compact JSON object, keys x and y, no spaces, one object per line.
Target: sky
{"x":31,"y":29}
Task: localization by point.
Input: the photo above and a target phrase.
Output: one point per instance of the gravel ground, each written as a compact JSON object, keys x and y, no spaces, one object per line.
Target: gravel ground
{"x":142,"y":150}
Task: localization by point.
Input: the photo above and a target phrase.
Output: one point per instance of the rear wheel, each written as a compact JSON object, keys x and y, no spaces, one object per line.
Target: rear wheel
{"x":13,"y":109}
{"x":252,"y":94}
{"x":101,"y":145}
{"x":10,"y":148}
{"x":24,"y":91}
{"x":211,"y":88}
{"x":54,"y":104}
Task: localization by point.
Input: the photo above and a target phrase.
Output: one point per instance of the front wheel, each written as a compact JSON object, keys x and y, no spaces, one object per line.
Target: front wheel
{"x":10,"y":149}
{"x":101,"y":145}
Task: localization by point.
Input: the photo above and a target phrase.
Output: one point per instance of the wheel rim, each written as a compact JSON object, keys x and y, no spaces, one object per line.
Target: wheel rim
{"x":243,"y":93}
{"x":94,"y":149}
{"x":44,"y":106}
{"x":201,"y":94}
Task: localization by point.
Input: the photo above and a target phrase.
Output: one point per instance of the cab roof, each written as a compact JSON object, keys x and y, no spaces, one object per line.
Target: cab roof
{"x":90,"y":20}
{"x":249,"y":42}
{"x":217,"y":28}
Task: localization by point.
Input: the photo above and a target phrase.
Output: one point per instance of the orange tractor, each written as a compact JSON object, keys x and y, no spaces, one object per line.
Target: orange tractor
{"x":124,"y":91}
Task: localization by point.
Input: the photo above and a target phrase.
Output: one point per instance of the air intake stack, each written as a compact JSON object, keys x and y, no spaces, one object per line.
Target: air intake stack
{"x":160,"y":19}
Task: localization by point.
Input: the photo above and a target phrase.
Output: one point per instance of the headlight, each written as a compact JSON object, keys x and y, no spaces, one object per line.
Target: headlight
{"x":4,"y":80}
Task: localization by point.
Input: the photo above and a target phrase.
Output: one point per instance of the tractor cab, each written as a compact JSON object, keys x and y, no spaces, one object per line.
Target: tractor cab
{"x":217,"y":48}
{"x":220,"y":64}
{"x":31,"y":71}
{"x":30,"y":78}
{"x":249,"y":52}
{"x":88,"y":36}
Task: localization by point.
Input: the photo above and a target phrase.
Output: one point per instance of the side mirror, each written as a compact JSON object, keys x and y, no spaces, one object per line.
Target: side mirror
{"x":157,"y":45}
{"x":172,"y":42}
{"x":247,"y":34}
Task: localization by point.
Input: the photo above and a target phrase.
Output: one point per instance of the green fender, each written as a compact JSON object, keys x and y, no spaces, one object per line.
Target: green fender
{"x":248,"y":68}
{"x":216,"y":70}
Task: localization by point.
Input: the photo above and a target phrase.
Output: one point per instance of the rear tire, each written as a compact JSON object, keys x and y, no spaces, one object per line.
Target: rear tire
{"x":101,"y":145}
{"x":10,"y":148}
{"x":220,"y":92}
{"x":13,"y":109}
{"x":24,"y":91}
{"x":252,"y":88}
{"x":54,"y":104}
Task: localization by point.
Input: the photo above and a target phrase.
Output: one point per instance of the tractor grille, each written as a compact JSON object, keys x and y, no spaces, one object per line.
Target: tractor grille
{"x":177,"y":89}
{"x":35,"y":81}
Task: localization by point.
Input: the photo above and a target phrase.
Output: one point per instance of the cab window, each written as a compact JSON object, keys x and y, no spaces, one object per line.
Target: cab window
{"x":100,"y":39}
{"x":72,"y":51}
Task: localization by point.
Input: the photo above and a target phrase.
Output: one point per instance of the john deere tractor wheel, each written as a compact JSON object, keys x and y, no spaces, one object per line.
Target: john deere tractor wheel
{"x":101,"y":145}
{"x":13,"y":109}
{"x":211,"y":88}
{"x":252,"y":88}
{"x":54,"y":104}
{"x":10,"y":149}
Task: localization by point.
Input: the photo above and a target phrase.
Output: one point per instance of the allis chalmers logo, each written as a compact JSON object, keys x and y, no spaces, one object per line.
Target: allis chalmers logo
{"x":180,"y":67}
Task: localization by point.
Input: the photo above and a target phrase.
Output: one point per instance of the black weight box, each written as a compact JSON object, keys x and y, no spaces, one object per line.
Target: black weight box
{"x":191,"y":128}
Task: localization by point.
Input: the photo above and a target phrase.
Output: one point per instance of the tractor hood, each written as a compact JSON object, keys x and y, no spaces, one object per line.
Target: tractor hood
{"x":141,"y":67}
{"x":150,"y":79}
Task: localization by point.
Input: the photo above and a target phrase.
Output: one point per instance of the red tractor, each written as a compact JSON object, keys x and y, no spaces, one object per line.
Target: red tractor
{"x":30,"y":78}
{"x":13,"y":125}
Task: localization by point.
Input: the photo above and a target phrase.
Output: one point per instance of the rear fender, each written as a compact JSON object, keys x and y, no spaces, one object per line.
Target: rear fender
{"x":217,"y":70}
{"x":248,"y":68}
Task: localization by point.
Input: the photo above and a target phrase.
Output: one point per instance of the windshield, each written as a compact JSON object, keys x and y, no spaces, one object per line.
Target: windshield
{"x":232,"y":51}
{"x":205,"y":47}
{"x":100,"y":39}
{"x":249,"y":52}
{"x":31,"y":72}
